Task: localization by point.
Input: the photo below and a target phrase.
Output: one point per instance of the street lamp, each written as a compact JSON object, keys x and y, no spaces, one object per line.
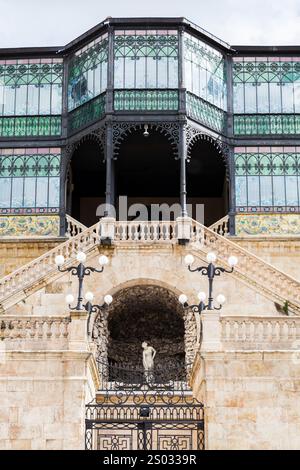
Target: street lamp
{"x":210,"y":271}
{"x":80,"y":271}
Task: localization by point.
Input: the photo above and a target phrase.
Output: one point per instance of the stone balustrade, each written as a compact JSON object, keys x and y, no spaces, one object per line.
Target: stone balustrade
{"x":73,"y":227}
{"x":221,"y":226}
{"x":267,"y":333}
{"x":34,"y":328}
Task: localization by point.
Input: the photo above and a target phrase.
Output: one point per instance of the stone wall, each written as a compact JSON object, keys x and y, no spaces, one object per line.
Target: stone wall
{"x":15,"y":253}
{"x":251,"y":387}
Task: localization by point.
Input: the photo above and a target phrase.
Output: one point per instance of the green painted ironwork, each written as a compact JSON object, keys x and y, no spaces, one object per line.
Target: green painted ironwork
{"x":206,"y":113}
{"x":266,"y":124}
{"x":205,"y":72}
{"x":88,"y":72}
{"x":270,"y":85}
{"x":27,"y":126}
{"x":146,"y":59}
{"x":146,"y":100}
{"x":29,"y":179}
{"x":87,"y":113}
{"x":31,"y":87}
{"x":267,"y":180}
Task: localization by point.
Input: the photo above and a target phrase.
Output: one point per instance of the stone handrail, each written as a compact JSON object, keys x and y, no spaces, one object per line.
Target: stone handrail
{"x":145,"y":231}
{"x":73,"y":227}
{"x":269,"y":332}
{"x":252,"y":270}
{"x":34,"y":328}
{"x":37,"y":269}
{"x":221,"y":226}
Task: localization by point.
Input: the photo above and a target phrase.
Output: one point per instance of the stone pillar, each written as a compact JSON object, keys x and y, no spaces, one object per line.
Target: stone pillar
{"x":211,"y":331}
{"x":107,"y":229}
{"x":183,"y":229}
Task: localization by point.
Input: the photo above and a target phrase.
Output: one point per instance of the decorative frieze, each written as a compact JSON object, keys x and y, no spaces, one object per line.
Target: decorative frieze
{"x":29,"y":226}
{"x":267,"y":224}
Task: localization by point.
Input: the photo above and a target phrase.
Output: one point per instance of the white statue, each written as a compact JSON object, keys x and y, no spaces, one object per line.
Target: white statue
{"x":148,"y":356}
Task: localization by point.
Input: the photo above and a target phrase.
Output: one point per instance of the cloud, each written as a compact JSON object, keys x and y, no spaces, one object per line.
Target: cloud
{"x":56,"y":22}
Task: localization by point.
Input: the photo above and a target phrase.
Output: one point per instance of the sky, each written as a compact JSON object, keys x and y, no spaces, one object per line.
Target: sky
{"x":26,"y":23}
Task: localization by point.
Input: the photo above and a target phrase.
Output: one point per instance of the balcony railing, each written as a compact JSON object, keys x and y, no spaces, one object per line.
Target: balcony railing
{"x":146,"y":100}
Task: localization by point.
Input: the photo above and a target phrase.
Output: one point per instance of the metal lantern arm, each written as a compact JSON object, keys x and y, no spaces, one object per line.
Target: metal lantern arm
{"x":202,"y":269}
{"x":92,"y":308}
{"x":218,"y":270}
{"x":80,"y":270}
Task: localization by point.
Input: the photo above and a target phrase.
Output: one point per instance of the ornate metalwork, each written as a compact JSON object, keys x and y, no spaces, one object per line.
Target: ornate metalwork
{"x":193,"y":135}
{"x":122,"y":129}
{"x":31,"y":87}
{"x":30,"y":126}
{"x":266,"y":124}
{"x":146,"y":100}
{"x":86,"y":114}
{"x":206,"y":113}
{"x":267,"y":181}
{"x":29,"y":180}
{"x":268,"y":85}
{"x":130,"y":413}
{"x":146,"y":59}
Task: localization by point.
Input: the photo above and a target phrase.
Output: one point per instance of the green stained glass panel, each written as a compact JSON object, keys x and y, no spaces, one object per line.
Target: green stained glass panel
{"x":146,"y":100}
{"x":206,"y":113}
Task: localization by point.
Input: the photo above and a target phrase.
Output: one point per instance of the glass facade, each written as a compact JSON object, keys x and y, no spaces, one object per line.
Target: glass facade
{"x":145,"y":70}
{"x":146,"y":59}
{"x":266,"y":95}
{"x":267,"y":179}
{"x":87,"y":76}
{"x":205,"y":73}
{"x":30,"y":97}
{"x":29,"y":180}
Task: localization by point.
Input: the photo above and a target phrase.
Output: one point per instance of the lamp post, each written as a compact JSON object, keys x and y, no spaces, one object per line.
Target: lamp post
{"x":210,"y":271}
{"x":81,"y":271}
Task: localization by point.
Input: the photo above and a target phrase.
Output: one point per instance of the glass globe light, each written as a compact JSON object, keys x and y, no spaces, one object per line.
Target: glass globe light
{"x":89,"y":296}
{"x":201,"y":296}
{"x":211,"y":257}
{"x":69,"y":299}
{"x":108,"y":299}
{"x":188,"y":259}
{"x":59,"y":260}
{"x":182,"y":299}
{"x":232,"y":261}
{"x":81,"y":257}
{"x":103,"y":260}
{"x":221,"y":299}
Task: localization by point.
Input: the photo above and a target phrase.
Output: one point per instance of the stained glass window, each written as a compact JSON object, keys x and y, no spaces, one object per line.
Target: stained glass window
{"x":205,"y":74}
{"x":268,"y":86}
{"x":88,"y":72}
{"x":146,"y":59}
{"x":30,"y":97}
{"x":267,"y":179}
{"x":29,"y":180}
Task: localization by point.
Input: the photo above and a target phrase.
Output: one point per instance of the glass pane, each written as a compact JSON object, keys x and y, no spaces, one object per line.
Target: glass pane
{"x":53,"y":192}
{"x":253,"y":191}
{"x":56,"y":99}
{"x":42,"y":192}
{"x":275,"y":98}
{"x":278,"y":191}
{"x":21,"y":100}
{"x":173,"y":73}
{"x":17,"y":192}
{"x":241,"y":190}
{"x":291,"y":191}
{"x":129,"y":73}
{"x":45,"y":99}
{"x":119,"y":73}
{"x":266,"y":191}
{"x":33,"y":99}
{"x":262,"y":98}
{"x":141,"y":72}
{"x":162,"y":72}
{"x":188,"y":75}
{"x":238,"y":98}
{"x":151,"y":72}
{"x":9,"y":101}
{"x":5,"y":189}
{"x":287,"y":97}
{"x":297,"y":97}
{"x":250,"y":98}
{"x":29,"y":192}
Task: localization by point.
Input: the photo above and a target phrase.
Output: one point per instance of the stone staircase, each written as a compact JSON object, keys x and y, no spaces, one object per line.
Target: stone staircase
{"x":251,"y":270}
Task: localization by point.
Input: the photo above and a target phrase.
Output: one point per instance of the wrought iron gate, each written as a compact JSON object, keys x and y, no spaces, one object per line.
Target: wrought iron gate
{"x":133,"y":413}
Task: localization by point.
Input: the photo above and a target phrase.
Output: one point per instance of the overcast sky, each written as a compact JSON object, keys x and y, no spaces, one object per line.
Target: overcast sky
{"x":57,"y":22}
